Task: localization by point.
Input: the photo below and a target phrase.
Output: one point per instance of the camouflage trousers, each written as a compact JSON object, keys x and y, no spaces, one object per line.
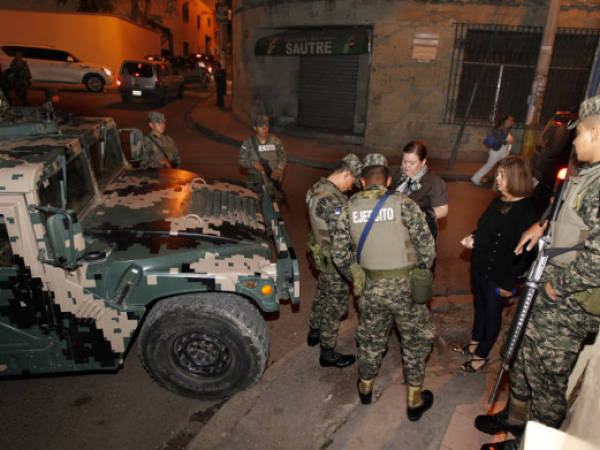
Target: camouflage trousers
{"x":329,"y":306}
{"x":549,"y":349}
{"x":386,"y":301}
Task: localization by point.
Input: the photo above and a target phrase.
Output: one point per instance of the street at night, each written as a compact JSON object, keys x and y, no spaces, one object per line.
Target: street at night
{"x":181,"y":288}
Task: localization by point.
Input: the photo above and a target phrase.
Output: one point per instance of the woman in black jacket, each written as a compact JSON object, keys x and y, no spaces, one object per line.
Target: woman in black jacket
{"x":494,"y":265}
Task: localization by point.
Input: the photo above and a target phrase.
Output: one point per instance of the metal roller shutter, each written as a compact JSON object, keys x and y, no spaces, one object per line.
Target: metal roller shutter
{"x":327,"y":91}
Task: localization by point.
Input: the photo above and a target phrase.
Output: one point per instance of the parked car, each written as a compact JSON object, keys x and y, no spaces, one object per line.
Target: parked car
{"x":50,"y":65}
{"x":552,"y":152}
{"x":191,"y":70}
{"x":146,"y":79}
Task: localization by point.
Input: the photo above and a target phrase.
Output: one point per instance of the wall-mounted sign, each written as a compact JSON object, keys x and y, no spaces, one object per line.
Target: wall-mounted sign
{"x":314,"y":43}
{"x":425,"y":46}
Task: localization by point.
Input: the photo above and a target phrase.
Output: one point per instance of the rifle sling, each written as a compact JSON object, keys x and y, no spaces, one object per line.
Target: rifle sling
{"x":369,"y":225}
{"x":159,"y":147}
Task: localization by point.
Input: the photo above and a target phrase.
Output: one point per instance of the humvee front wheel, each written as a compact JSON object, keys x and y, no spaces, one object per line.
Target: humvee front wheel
{"x":206,"y":346}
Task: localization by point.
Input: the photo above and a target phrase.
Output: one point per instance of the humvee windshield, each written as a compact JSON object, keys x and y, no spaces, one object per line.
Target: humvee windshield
{"x":80,"y":189}
{"x":106,"y":166}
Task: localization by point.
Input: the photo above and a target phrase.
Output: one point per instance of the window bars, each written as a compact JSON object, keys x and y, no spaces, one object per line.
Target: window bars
{"x":503,"y":59}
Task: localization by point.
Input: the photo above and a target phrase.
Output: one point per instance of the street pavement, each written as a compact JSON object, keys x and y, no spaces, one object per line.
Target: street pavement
{"x":299,"y":405}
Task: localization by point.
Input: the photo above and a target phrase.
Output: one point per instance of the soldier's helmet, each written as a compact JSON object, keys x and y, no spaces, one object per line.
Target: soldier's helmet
{"x":374,"y":159}
{"x":260,"y":120}
{"x":155,"y":116}
{"x":589,"y":107}
{"x":355,"y":166}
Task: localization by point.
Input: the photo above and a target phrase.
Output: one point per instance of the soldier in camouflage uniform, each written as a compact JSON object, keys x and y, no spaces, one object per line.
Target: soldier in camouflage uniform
{"x":325,"y":200}
{"x":160,"y":150}
{"x":399,"y":241}
{"x":264,"y":157}
{"x":567,"y":308}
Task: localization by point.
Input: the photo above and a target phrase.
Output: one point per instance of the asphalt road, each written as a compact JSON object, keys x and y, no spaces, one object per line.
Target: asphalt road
{"x":125,"y":409}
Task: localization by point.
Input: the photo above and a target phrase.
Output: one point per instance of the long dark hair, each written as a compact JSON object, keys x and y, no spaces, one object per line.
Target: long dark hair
{"x":502,"y":119}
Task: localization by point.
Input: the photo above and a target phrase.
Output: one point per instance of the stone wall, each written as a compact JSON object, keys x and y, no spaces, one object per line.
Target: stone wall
{"x":406,"y":98}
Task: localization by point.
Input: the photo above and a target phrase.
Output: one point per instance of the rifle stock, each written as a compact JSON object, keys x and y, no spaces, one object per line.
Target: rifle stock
{"x":521,"y":317}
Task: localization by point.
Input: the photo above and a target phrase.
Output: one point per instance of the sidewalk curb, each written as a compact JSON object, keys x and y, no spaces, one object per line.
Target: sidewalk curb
{"x":224,"y":139}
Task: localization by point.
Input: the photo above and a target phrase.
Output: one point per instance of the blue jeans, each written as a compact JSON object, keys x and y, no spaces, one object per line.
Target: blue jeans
{"x":488,"y":313}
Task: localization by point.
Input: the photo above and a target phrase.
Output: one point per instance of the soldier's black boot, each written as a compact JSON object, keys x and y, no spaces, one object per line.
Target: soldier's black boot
{"x":330,"y":358}
{"x":512,"y":419}
{"x":365,"y":390}
{"x":314,"y":337}
{"x":419,"y":401}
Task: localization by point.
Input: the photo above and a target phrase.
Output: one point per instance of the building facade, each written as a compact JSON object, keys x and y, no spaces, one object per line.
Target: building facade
{"x":387,"y":72}
{"x":186,"y":26}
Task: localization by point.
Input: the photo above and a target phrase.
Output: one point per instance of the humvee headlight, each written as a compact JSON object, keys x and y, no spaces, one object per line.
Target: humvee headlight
{"x":250,"y":284}
{"x":267,"y":289}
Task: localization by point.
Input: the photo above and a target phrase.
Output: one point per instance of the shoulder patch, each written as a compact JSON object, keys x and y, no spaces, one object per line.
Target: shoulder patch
{"x":337,"y":211}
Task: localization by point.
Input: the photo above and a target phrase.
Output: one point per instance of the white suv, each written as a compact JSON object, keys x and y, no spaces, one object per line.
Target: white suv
{"x":49,"y":65}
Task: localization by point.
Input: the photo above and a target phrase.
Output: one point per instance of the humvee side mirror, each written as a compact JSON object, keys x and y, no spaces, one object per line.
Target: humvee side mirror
{"x":62,"y":239}
{"x":65,"y":237}
{"x":136,"y":143}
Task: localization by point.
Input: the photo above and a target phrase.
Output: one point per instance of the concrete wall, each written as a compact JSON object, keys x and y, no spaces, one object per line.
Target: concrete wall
{"x":406,"y":98}
{"x":95,"y":38}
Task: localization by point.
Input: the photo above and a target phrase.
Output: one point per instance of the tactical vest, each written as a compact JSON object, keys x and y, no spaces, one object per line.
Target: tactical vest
{"x":318,"y":224}
{"x":388,"y":245}
{"x":570,"y":229}
{"x":268,"y":151}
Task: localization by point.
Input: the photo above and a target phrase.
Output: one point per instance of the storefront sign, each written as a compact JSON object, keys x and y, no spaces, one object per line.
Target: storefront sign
{"x":314,"y":43}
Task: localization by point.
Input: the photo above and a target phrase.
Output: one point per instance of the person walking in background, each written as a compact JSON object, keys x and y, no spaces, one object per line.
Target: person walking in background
{"x":160,"y":150}
{"x":221,"y":84}
{"x":416,"y":181}
{"x":393,"y":244}
{"x":325,"y":200}
{"x":499,"y":143}
{"x":494,"y":266}
{"x":21,"y":77}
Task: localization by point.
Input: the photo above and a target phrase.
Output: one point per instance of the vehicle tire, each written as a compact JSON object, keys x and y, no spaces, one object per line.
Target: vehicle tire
{"x":180,"y":91}
{"x":206,"y":346}
{"x":93,"y":83}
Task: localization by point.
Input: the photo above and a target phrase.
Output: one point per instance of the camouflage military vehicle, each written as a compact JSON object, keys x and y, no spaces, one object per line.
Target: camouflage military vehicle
{"x":93,"y":253}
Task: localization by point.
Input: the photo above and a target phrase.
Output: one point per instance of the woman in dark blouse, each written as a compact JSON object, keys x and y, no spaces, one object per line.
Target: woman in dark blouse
{"x":494,"y":266}
{"x":426,"y":188}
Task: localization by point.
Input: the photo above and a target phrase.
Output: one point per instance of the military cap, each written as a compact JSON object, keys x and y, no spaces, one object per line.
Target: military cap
{"x":589,"y":107}
{"x":353,"y":163}
{"x":155,"y":116}
{"x":260,"y":120}
{"x":374,"y":159}
{"x":355,"y":166}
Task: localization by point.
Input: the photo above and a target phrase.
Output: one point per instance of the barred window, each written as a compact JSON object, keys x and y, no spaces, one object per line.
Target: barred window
{"x":500,"y":60}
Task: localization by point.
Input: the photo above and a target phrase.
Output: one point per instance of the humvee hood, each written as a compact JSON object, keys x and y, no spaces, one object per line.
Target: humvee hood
{"x":176,"y":204}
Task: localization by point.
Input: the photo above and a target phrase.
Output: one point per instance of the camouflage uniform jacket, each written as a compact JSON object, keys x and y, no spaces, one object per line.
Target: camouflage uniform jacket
{"x":328,"y":206}
{"x":583,"y":272}
{"x":343,"y":249}
{"x":156,"y":150}
{"x":271,"y":151}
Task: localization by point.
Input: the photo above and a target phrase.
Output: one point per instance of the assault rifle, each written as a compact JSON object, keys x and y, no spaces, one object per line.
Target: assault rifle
{"x":519,"y":323}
